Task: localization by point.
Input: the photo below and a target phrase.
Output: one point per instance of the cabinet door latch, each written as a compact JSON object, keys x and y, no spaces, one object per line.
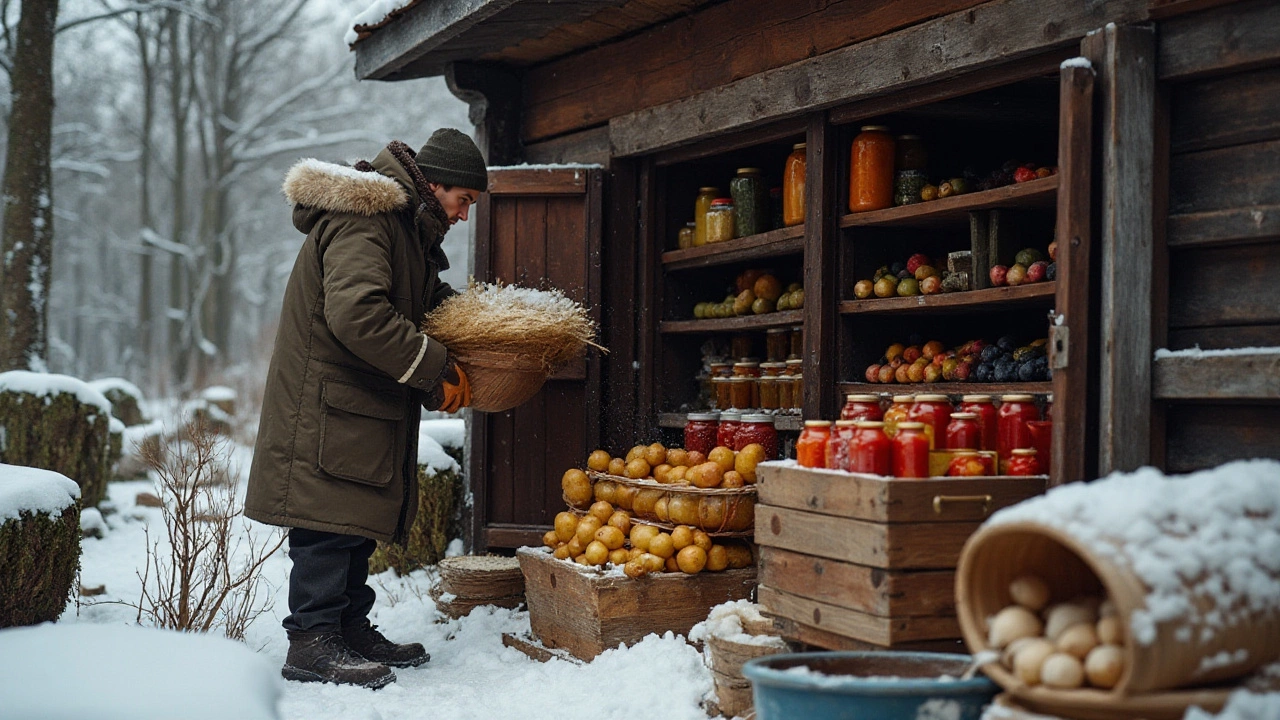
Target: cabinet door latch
{"x":1059,"y":342}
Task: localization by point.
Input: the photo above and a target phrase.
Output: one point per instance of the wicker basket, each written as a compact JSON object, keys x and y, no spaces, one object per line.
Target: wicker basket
{"x":501,"y":381}
{"x":996,"y":554}
{"x":727,"y":511}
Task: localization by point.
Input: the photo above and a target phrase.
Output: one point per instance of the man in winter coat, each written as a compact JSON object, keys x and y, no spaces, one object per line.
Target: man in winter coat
{"x":336,"y":456}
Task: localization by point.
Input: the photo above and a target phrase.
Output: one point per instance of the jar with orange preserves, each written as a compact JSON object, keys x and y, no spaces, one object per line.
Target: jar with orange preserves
{"x":811,"y":448}
{"x":871,"y":169}
{"x":793,"y":186}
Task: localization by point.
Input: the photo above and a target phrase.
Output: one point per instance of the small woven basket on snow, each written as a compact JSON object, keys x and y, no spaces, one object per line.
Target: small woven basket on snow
{"x":510,"y":339}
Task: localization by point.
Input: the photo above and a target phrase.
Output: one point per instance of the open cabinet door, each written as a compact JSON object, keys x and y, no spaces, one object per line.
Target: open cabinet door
{"x":537,"y":228}
{"x":1074,"y":445}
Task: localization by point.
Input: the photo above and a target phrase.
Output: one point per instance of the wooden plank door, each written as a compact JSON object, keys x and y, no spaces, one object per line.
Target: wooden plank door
{"x":537,"y":228}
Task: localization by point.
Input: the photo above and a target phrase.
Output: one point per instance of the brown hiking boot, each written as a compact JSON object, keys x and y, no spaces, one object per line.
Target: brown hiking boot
{"x":326,"y":657}
{"x":366,"y":640}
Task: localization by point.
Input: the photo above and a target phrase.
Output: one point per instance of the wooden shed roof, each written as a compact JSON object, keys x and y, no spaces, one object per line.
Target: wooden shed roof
{"x":421,"y":38}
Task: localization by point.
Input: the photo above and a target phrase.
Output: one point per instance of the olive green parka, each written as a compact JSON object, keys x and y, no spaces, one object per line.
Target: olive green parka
{"x":337,"y":440}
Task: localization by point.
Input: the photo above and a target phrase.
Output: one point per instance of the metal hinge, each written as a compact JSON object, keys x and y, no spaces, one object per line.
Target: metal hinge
{"x":1059,"y":341}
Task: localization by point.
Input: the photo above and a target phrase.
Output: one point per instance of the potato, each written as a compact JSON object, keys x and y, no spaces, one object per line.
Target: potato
{"x":1030,"y":592}
{"x":739,"y":556}
{"x":1061,"y":670}
{"x":601,"y":511}
{"x":611,"y":536}
{"x":747,"y":460}
{"x":1012,"y":623}
{"x":732,"y":479}
{"x":1063,"y":615}
{"x":1110,"y":630}
{"x":695,"y":458}
{"x":634,"y":553}
{"x":577,"y":488}
{"x":551,"y":539}
{"x":635,"y":569}
{"x":581,"y":560}
{"x":653,"y":562}
{"x":596,"y":553}
{"x":1104,"y":666}
{"x":661,"y":472}
{"x":671,"y":564}
{"x":587,"y":527}
{"x":1078,"y":640}
{"x":1030,"y":658}
{"x":636,"y":452}
{"x":562,"y":552}
{"x":682,"y":537}
{"x":605,"y":490}
{"x":706,"y":475}
{"x":624,"y":497}
{"x":617,"y":466}
{"x":661,"y":546}
{"x":702,"y":540}
{"x":723,"y":457}
{"x":566,"y":526}
{"x":636,"y":469}
{"x":661,"y":511}
{"x":691,"y":560}
{"x":641,"y":535}
{"x":575,"y":546}
{"x":682,"y":509}
{"x":678,"y":457}
{"x":655,"y":454}
{"x":598,"y":460}
{"x":678,"y":475}
{"x":1011,"y":650}
{"x":717,"y":558}
{"x":621,"y":519}
{"x":619,"y":557}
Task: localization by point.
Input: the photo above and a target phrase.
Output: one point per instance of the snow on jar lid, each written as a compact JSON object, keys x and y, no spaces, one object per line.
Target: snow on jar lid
{"x":758,"y":418}
{"x":867,"y":398}
{"x":976,"y":399}
{"x":703,"y":416}
{"x":1016,"y":398}
{"x":932,"y":398}
{"x":817,"y":423}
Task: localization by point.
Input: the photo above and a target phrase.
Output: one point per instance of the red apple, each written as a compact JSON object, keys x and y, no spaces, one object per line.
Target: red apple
{"x":873,"y":373}
{"x":999,"y":275}
{"x":963,"y":370}
{"x":911,"y":354}
{"x":1037,"y":271}
{"x":916,"y":261}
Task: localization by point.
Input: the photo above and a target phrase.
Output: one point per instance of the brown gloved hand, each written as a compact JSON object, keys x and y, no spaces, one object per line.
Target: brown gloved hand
{"x":453,"y":390}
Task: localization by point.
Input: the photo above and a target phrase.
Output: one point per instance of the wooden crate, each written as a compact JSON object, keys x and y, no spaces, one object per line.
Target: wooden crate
{"x":585,"y":612}
{"x":860,"y":561}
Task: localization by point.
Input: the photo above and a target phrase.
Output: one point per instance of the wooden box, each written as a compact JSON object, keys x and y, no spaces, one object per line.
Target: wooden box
{"x":852,"y":561}
{"x":584,"y":611}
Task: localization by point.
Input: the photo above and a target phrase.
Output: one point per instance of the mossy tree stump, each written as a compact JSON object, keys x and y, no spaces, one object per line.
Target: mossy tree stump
{"x":435,"y":524}
{"x":57,"y":423}
{"x":125,"y":399}
{"x":40,"y":544}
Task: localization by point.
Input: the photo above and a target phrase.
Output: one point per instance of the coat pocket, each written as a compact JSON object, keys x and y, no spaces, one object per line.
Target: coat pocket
{"x":360,"y":433}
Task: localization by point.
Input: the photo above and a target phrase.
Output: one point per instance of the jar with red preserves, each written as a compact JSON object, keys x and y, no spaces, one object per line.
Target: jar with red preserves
{"x":963,"y":432}
{"x":871,"y":169}
{"x":897,"y":413}
{"x":985,"y":408}
{"x":811,"y":448}
{"x":969,"y":463}
{"x":910,"y":458}
{"x":758,"y":429}
{"x":869,"y":450}
{"x":700,"y":431}
{"x":935,"y":412}
{"x":838,"y":445}
{"x":1015,"y":411}
{"x":1023,"y":462}
{"x":730,"y":420}
{"x":862,"y":407}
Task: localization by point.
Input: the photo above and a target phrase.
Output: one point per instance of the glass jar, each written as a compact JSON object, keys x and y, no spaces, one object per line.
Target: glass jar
{"x":720,"y":221}
{"x":701,"y":205}
{"x":871,"y":169}
{"x":1041,"y":432}
{"x":910,"y":163}
{"x":768,"y":386}
{"x":910,"y":451}
{"x":870,"y":449}
{"x":985,"y":409}
{"x":684,"y":239}
{"x":777,"y":343}
{"x":746,"y":368}
{"x":811,"y":448}
{"x":909,"y":153}
{"x":720,"y":369}
{"x":730,"y":421}
{"x":963,"y":432}
{"x":740,"y":345}
{"x":797,"y":343}
{"x":1023,"y":463}
{"x":775,"y":209}
{"x":935,"y":412}
{"x":839,"y":445}
{"x":700,"y":431}
{"x":897,"y":413}
{"x":759,"y":430}
{"x":862,"y":407}
{"x":742,"y":391}
{"x":750,"y":202}
{"x":722,"y":392}
{"x":797,"y":390}
{"x":1012,"y":433}
{"x":969,"y":463}
{"x":793,"y":186}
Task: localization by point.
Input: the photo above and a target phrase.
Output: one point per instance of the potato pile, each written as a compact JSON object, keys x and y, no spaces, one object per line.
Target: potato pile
{"x":606,"y":536}
{"x":1064,"y":645}
{"x":720,"y":468}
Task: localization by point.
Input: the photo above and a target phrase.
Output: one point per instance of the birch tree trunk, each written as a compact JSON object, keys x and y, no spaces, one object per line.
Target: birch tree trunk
{"x":27,"y":250}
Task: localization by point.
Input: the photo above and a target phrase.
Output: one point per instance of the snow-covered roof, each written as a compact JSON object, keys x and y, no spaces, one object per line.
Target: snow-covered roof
{"x":34,"y":490}
{"x":376,"y":15}
{"x":50,"y":384}
{"x":124,"y":672}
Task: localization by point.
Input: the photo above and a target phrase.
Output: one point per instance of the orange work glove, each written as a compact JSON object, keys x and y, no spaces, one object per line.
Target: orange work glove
{"x":454,"y":389}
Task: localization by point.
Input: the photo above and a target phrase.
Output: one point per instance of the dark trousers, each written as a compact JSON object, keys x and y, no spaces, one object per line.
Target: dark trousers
{"x":327,"y":588}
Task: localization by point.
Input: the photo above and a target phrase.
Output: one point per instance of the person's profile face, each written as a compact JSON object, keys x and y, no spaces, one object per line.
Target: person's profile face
{"x":456,"y":201}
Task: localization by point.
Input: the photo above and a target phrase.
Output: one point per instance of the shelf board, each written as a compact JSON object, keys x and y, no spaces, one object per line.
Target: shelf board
{"x":784,"y":241}
{"x":950,"y":210}
{"x":949,"y":388}
{"x":734,"y":324}
{"x":789,"y":423}
{"x":953,"y":302}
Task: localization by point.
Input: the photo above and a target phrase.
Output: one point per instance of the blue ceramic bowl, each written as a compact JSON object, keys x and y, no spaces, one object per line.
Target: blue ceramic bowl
{"x":866,"y":686}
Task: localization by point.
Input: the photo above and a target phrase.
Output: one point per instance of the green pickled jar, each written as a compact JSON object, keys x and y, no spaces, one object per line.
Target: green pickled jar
{"x":751,"y":208}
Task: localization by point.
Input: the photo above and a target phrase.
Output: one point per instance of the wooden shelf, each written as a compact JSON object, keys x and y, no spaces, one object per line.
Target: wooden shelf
{"x":787,"y":423}
{"x":954,"y":302}
{"x":952,"y":210}
{"x":784,"y":241}
{"x":949,"y":388}
{"x":785,"y":318}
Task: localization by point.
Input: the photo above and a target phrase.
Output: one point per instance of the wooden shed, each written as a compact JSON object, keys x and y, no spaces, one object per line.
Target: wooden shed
{"x":1165,"y":205}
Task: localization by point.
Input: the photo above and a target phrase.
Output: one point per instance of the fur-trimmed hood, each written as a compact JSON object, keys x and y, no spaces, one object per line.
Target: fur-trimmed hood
{"x":331,"y":187}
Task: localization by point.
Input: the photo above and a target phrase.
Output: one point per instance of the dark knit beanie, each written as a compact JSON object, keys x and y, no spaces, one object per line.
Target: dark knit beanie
{"x":451,"y":158}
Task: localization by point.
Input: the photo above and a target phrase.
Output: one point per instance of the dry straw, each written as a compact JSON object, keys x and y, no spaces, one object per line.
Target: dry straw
{"x":492,"y":317}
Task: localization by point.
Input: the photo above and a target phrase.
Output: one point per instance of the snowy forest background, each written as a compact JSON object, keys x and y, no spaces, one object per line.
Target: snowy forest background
{"x":174,"y":124}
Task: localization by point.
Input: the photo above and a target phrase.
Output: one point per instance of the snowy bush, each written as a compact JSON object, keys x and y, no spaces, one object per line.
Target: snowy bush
{"x":40,"y":544}
{"x":58,"y":423}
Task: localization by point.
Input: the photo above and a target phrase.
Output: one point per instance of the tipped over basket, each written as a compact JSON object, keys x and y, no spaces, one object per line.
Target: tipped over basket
{"x":501,"y":380}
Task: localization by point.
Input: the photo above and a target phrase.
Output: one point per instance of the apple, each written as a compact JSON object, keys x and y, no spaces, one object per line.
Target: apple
{"x":863,"y":289}
{"x":931,"y":285}
{"x":1053,"y":250}
{"x":912,"y":353}
{"x":915,"y":371}
{"x":873,"y":373}
{"x":886,"y":373}
{"x":999,"y":275}
{"x":931,"y":348}
{"x":1037,"y":271}
{"x":1017,"y":275}
{"x":963,"y":369}
{"x":932,"y":374}
{"x":902,"y":374}
{"x":915,"y":261}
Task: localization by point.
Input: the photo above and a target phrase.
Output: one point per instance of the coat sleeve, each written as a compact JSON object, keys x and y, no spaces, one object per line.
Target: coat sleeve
{"x":356,"y":267}
{"x":442,"y":292}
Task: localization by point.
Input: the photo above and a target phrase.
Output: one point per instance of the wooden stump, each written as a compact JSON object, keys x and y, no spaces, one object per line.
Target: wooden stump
{"x":125,"y":399}
{"x":40,"y":546}
{"x":481,"y":576}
